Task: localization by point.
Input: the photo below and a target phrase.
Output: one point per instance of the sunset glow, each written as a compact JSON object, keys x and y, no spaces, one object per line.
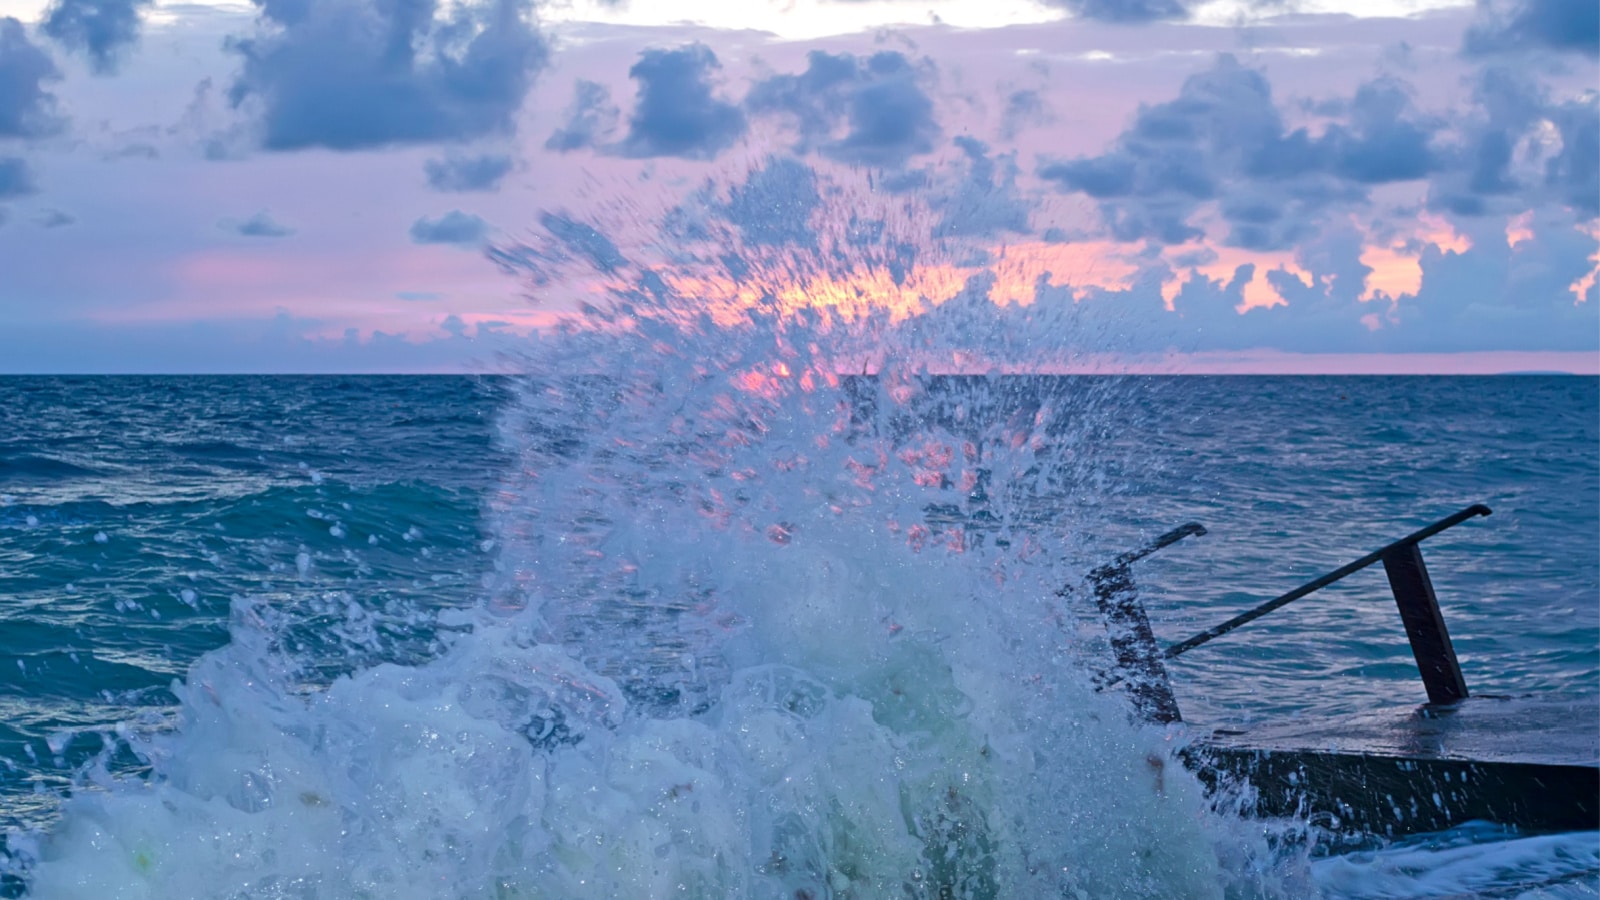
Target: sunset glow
{"x":871,"y":161}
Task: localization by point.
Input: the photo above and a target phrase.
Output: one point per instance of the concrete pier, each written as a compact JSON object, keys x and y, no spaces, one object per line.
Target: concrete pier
{"x":1528,"y":762}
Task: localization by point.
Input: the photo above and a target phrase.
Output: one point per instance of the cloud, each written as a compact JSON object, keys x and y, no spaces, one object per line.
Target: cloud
{"x":1504,"y":165}
{"x":259,"y":225}
{"x":816,"y":98}
{"x":418,"y":296}
{"x":1496,"y":297}
{"x":1103,"y":178}
{"x":589,"y":120}
{"x":1169,"y":160}
{"x":27,"y":110}
{"x":53,"y":218}
{"x":1384,"y":143}
{"x":462,"y":174}
{"x":358,"y":74}
{"x":16,"y":179}
{"x":676,"y":114}
{"x":1023,"y":108}
{"x":887,"y":117}
{"x":1223,"y":140}
{"x":1571,"y":26}
{"x":1512,"y":102}
{"x":454,"y":227}
{"x":98,"y":28}
{"x":1574,"y":173}
{"x":1484,"y":298}
{"x":1508,"y":104}
{"x":979,"y":206}
{"x":1124,"y":12}
{"x":136,"y":150}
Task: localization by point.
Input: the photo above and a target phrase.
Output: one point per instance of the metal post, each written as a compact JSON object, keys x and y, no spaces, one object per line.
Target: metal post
{"x":1419,"y":610}
{"x":1134,"y":644}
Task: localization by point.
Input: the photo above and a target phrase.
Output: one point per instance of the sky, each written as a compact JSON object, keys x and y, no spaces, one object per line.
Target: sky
{"x":1385,"y":186}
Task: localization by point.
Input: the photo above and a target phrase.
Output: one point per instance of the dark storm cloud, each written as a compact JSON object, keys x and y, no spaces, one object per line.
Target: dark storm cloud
{"x":99,"y":29}
{"x":462,"y":174}
{"x":676,"y":113}
{"x":589,"y":120}
{"x":982,"y":205}
{"x":27,"y":110}
{"x":773,"y":206}
{"x":454,"y":227}
{"x":1223,"y":139}
{"x":886,"y":116}
{"x":1571,"y":26}
{"x":357,"y":74}
{"x":259,"y":225}
{"x":16,"y":179}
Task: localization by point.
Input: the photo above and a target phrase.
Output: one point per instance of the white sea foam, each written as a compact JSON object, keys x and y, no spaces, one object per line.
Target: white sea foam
{"x":1469,"y":862}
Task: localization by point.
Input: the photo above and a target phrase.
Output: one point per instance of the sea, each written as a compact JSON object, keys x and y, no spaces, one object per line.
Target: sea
{"x":682,"y":624}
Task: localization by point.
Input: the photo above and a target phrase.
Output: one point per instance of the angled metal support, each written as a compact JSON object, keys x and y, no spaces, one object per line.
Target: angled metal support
{"x":1133,"y":643}
{"x":1419,"y":610}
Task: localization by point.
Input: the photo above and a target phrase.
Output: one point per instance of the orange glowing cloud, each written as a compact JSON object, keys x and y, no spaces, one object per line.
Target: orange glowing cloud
{"x":1018,"y":268}
{"x":1519,"y":229}
{"x":1258,"y":293}
{"x":1397,"y":266}
{"x":1580,"y":288}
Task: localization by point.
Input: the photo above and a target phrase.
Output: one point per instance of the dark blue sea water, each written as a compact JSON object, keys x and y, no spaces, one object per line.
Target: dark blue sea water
{"x":348,"y":534}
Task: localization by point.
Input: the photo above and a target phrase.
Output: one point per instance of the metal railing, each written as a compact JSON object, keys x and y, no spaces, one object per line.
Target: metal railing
{"x":1141,"y":661}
